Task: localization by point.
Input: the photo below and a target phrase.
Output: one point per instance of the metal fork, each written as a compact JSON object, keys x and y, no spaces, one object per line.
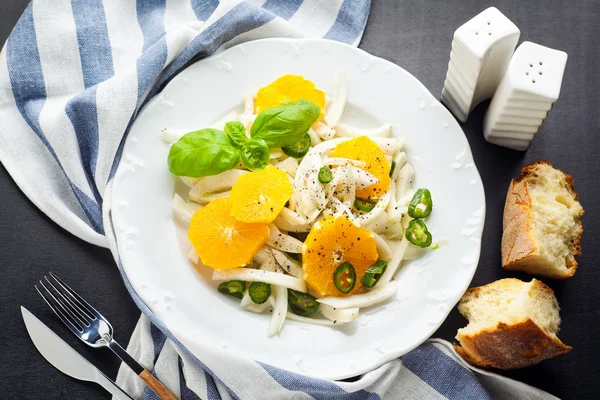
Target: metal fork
{"x":91,"y":327}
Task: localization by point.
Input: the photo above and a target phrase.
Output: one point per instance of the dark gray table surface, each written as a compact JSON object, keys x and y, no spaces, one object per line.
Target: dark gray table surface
{"x":415,"y":35}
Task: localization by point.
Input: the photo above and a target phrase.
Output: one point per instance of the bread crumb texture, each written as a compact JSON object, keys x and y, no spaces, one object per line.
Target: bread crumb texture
{"x":512,"y":324}
{"x":542,"y":227}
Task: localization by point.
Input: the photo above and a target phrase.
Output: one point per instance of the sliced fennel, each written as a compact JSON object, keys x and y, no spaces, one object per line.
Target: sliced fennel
{"x":189,"y":181}
{"x":170,"y":136}
{"x":209,"y":185}
{"x":253,"y":275}
{"x":383,"y":248}
{"x":289,"y":165}
{"x":292,"y":267}
{"x":367,"y":299}
{"x":394,"y":264}
{"x":282,"y":241}
{"x":193,"y":256}
{"x":183,"y":209}
{"x":291,"y":221}
{"x":279,"y":310}
{"x":339,"y":315}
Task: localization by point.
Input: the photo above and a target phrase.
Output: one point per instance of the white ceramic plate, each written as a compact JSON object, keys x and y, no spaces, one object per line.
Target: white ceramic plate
{"x":153,"y":247}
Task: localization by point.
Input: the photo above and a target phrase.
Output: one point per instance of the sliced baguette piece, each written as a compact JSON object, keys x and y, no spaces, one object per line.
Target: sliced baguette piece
{"x":512,"y":324}
{"x":541,"y":226}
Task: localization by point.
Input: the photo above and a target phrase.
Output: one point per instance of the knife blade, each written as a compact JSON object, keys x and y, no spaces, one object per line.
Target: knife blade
{"x":64,"y":358}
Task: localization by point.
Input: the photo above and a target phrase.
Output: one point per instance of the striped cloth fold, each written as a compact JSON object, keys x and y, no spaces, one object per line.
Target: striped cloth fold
{"x":432,"y":371}
{"x":74,"y":74}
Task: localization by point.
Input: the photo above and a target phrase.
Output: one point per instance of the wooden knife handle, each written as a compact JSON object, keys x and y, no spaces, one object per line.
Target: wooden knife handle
{"x":158,"y":388}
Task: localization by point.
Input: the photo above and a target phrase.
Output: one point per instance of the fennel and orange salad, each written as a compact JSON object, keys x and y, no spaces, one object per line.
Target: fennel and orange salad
{"x":297,"y":213}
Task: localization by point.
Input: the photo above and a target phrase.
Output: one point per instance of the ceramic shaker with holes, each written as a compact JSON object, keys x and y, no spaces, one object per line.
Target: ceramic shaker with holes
{"x":481,"y":51}
{"x":529,"y":88}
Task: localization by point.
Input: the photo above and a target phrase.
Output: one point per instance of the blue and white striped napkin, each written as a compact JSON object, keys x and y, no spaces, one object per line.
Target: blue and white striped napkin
{"x":73,"y":75}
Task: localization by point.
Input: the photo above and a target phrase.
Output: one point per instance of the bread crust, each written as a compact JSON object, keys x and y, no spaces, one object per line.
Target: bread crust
{"x":517,"y":345}
{"x":509,"y":345}
{"x":519,"y":249}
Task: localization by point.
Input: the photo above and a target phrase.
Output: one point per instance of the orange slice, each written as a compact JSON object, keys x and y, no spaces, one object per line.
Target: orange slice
{"x":288,"y":88}
{"x":331,"y":242}
{"x":222,"y":242}
{"x":260,"y":196}
{"x":364,"y":149}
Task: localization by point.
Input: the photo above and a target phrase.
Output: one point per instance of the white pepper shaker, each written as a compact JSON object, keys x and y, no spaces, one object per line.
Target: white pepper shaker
{"x":481,"y":50}
{"x":529,"y":88}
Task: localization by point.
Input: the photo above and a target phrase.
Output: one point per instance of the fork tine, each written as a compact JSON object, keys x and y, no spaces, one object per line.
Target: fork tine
{"x":85,"y":306}
{"x":83,"y":318}
{"x":75,"y":329}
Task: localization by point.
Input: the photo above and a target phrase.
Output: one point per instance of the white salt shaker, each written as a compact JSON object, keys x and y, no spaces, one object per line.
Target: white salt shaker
{"x":529,"y":88}
{"x":481,"y":51}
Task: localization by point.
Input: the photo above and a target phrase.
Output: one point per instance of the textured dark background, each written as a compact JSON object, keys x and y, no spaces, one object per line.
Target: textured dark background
{"x":415,"y":35}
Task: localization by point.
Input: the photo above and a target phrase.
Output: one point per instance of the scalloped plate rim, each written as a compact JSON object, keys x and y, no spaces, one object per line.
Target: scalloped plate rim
{"x":126,"y":168}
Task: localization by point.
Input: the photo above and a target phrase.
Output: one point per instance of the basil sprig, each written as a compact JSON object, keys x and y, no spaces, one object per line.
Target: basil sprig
{"x":237,"y":133}
{"x":286,"y":124}
{"x":255,"y":155}
{"x":211,"y":151}
{"x":203,"y":153}
{"x":255,"y":152}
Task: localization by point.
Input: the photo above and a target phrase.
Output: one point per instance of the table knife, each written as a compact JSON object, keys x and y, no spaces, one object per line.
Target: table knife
{"x":64,"y":358}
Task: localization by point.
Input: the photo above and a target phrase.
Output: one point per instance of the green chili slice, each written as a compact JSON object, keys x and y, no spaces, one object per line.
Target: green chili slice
{"x":393,"y":168}
{"x":344,"y":277}
{"x":421,"y":205}
{"x":234,"y":288}
{"x":418,"y":234}
{"x":300,"y":149}
{"x":325,"y":175}
{"x":302,"y":303}
{"x":259,"y":292}
{"x":373,"y":273}
{"x":363,"y":205}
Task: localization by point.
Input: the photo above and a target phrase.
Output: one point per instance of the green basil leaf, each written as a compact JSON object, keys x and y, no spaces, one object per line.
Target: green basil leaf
{"x":255,"y":155}
{"x":286,"y":124}
{"x":203,"y":153}
{"x":236,"y":131}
